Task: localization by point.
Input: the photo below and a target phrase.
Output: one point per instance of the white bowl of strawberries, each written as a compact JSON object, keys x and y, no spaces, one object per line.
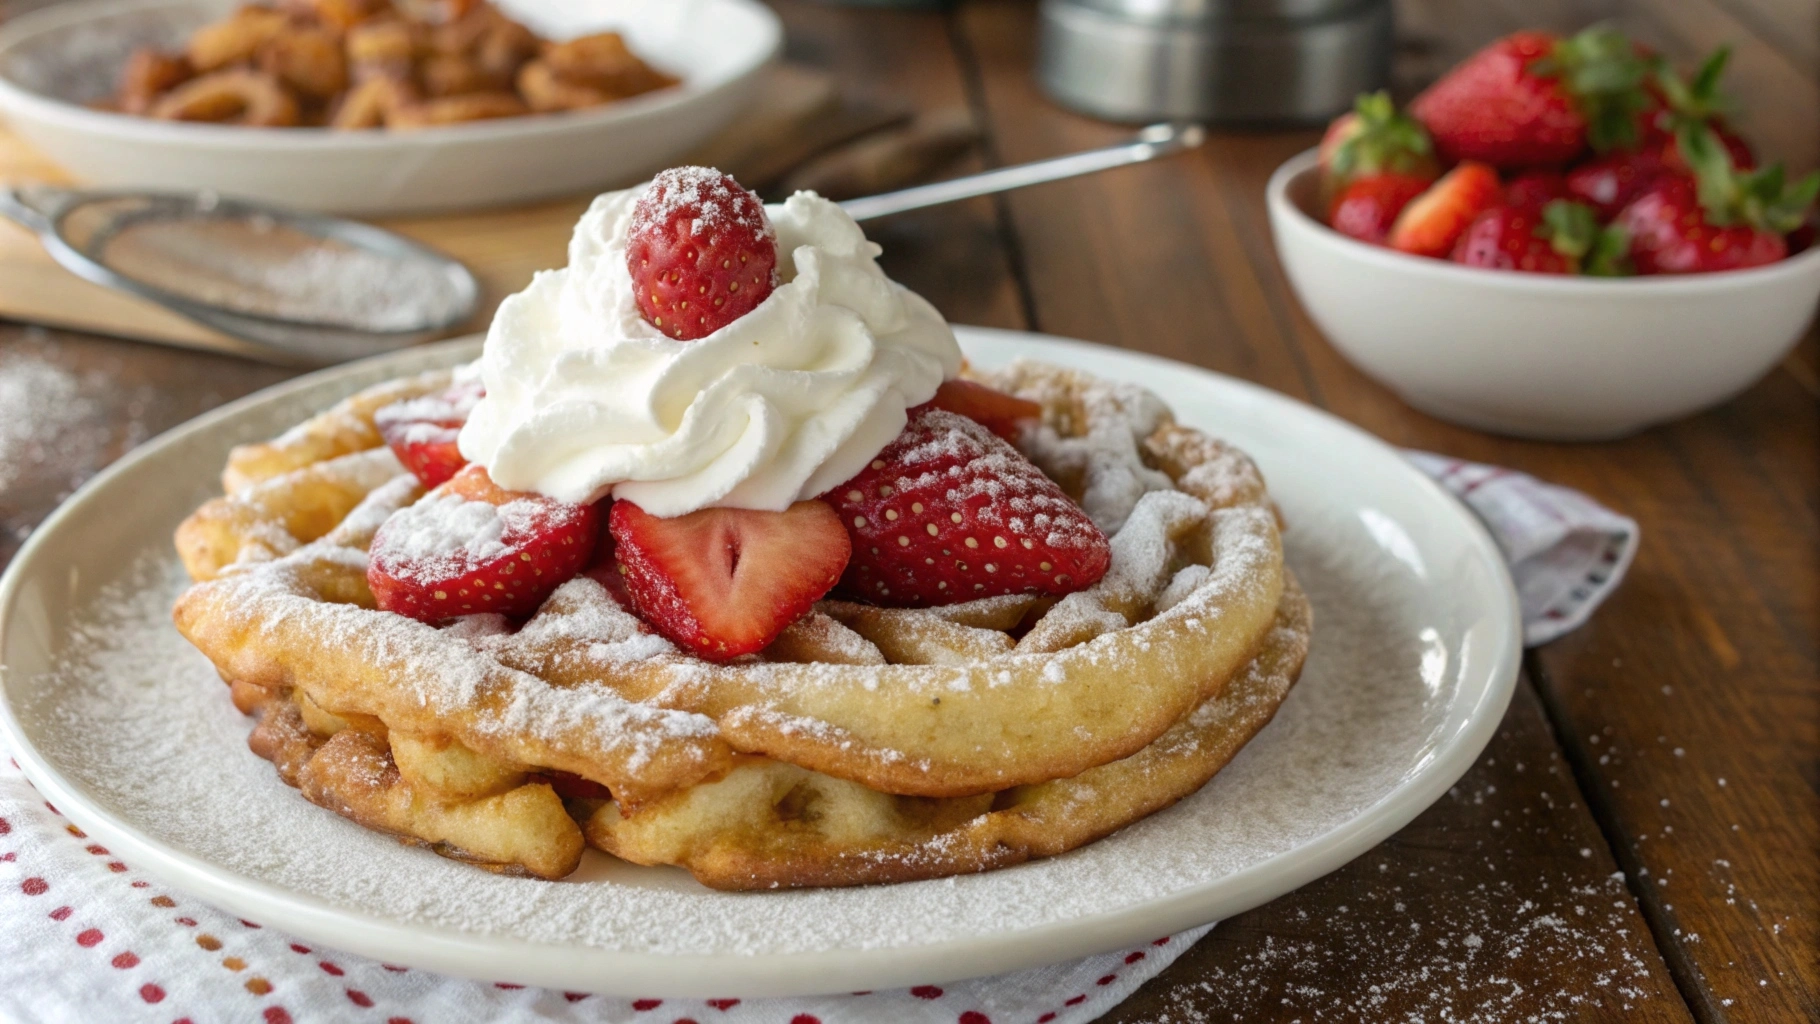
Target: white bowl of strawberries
{"x":1561,"y":240}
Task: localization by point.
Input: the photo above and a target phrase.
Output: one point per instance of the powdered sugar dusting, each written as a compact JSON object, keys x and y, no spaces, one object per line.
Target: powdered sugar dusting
{"x":446,"y":535}
{"x":703,"y":194}
{"x":139,"y":719}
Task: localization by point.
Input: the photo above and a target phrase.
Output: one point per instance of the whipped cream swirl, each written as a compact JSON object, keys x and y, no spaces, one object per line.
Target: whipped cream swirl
{"x":583,"y":397}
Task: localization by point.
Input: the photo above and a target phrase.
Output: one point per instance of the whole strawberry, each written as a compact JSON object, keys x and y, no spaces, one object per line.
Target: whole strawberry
{"x":1691,"y":104}
{"x":1367,"y":207}
{"x":1533,"y":190}
{"x":1373,"y":139}
{"x":701,"y":252}
{"x":1560,"y":237}
{"x":1533,"y":99}
{"x":948,"y":512}
{"x":1720,"y":219}
{"x":1611,"y":182}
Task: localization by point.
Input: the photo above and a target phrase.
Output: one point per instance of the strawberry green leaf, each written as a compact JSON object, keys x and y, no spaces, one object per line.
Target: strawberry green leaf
{"x":1571,"y":228}
{"x":1610,"y":254}
{"x":1384,"y":140}
{"x":1603,"y":72}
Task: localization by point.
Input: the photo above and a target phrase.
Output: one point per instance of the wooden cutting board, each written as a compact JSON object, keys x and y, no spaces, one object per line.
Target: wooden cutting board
{"x":796,"y":114}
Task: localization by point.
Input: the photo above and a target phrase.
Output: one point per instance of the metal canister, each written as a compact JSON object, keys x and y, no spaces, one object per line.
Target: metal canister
{"x":1235,"y":62}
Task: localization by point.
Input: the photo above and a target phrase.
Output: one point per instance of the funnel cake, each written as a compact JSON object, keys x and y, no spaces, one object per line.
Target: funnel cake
{"x":866,"y":744}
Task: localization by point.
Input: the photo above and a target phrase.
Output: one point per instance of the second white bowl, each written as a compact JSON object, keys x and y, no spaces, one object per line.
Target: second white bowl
{"x":54,"y":61}
{"x":1537,"y":355}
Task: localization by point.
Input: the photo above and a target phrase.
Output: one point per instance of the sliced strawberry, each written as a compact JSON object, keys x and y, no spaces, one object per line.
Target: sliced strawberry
{"x":989,"y":407}
{"x":701,"y":252}
{"x":470,"y":546}
{"x":422,"y":431}
{"x":948,"y":512}
{"x":1432,"y":223}
{"x":722,"y":582}
{"x":1367,"y":208}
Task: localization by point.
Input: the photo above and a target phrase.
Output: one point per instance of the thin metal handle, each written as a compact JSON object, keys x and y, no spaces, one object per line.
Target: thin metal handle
{"x":17,"y":204}
{"x":1158,"y":140}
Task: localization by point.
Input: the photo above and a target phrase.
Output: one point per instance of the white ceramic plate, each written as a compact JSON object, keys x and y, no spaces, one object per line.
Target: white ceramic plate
{"x":128,"y":732}
{"x":54,"y":61}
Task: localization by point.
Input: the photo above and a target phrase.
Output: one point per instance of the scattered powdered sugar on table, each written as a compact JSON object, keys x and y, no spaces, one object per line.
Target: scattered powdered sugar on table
{"x":44,"y":415}
{"x":138,"y":719}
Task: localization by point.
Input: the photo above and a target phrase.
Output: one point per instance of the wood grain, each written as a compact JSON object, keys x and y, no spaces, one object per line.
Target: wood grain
{"x":1676,"y":739}
{"x":1179,"y":262}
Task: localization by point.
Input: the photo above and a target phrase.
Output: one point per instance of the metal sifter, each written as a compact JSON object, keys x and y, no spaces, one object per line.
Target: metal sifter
{"x":308,"y":289}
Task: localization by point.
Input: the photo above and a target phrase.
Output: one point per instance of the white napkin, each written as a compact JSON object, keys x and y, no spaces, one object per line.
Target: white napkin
{"x":1566,"y":552}
{"x":86,"y":937}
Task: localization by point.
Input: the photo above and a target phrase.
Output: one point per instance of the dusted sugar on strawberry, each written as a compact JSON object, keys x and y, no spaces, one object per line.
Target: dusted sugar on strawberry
{"x":948,"y":512}
{"x":722,"y":582}
{"x":423,"y":431}
{"x":701,"y":252}
{"x":469,"y":547}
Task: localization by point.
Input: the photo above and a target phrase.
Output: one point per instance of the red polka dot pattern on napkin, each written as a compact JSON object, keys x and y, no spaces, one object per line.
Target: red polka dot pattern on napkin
{"x":86,"y":936}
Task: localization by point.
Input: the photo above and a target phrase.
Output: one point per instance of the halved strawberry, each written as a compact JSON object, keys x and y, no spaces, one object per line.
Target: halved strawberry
{"x":422,"y":431}
{"x":989,"y":407}
{"x":470,"y":546}
{"x":722,"y":582}
{"x":948,"y":512}
{"x":701,"y":252}
{"x":1367,"y":208}
{"x":1432,"y":222}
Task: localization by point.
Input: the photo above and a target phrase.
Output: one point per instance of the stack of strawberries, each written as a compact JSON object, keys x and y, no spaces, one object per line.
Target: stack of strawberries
{"x":1585,"y":155}
{"x":947,"y":512}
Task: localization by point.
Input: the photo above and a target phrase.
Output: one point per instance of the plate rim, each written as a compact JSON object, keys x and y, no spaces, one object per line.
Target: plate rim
{"x":583,"y":968}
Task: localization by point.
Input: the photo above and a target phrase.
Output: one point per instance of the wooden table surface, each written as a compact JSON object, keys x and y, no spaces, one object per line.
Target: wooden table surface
{"x":1642,"y":838}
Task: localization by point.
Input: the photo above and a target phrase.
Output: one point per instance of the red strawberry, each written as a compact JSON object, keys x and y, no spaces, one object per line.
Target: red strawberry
{"x":989,"y":407}
{"x":1373,"y":138}
{"x":1366,"y":208}
{"x":1692,"y":104}
{"x":1671,"y":234}
{"x":1720,"y":219}
{"x":948,"y":512}
{"x":1559,"y":238}
{"x":1533,"y":190}
{"x":701,"y":252}
{"x":1432,"y":222}
{"x":1609,"y":183}
{"x":1531,"y":99}
{"x":470,"y":546}
{"x":422,"y":431}
{"x":722,"y":582}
